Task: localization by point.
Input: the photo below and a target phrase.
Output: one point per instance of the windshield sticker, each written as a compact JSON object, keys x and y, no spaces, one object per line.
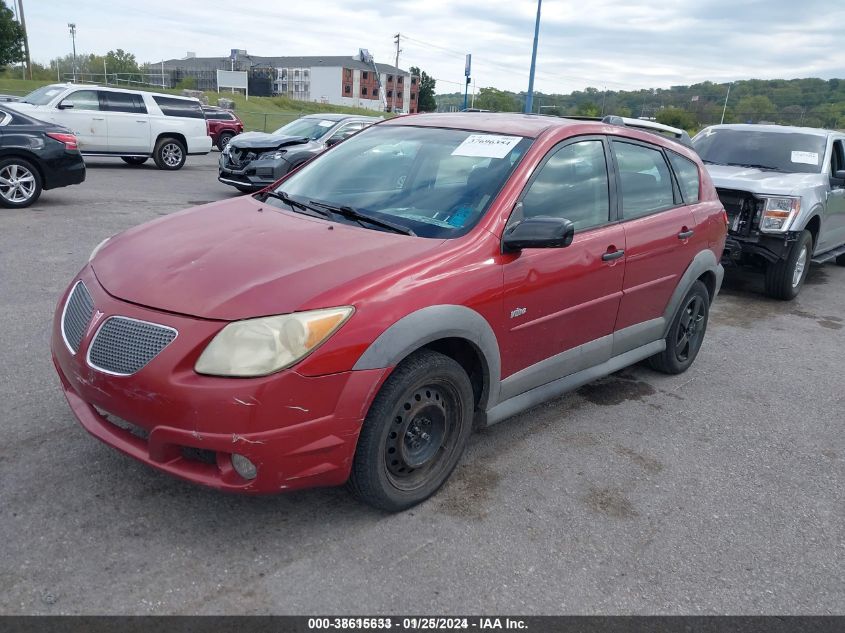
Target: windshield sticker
{"x":487,"y":146}
{"x":807,"y":158}
{"x":326,"y":123}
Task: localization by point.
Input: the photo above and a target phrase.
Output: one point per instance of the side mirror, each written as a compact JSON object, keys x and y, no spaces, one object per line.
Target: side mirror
{"x":540,"y":232}
{"x":838,"y":178}
{"x":65,"y":105}
{"x":334,"y":140}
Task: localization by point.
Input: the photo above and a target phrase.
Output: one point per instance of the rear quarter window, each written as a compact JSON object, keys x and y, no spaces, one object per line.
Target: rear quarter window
{"x":688,"y":176}
{"x":179,"y":107}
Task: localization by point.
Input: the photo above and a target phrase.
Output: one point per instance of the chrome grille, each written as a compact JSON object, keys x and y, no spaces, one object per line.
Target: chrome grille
{"x":77,"y":315}
{"x":123,"y":346}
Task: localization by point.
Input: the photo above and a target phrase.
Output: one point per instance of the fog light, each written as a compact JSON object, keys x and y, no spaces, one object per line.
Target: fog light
{"x":244,"y":467}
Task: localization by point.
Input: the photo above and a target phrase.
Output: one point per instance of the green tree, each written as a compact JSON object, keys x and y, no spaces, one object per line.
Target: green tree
{"x":425,"y":98}
{"x":588,"y":109}
{"x":120,"y":61}
{"x":496,"y":100}
{"x":677,"y":118}
{"x":756,"y":108}
{"x":11,"y":37}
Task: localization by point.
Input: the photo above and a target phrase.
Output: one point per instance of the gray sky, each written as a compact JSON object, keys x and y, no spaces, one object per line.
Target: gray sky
{"x":600,"y":43}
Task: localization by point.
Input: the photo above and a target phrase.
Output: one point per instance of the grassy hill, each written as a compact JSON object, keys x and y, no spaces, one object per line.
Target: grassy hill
{"x":257,"y":113}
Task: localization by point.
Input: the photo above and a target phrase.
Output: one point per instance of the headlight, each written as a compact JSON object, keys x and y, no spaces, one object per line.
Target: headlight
{"x":275,"y":155}
{"x":98,"y":247}
{"x":257,"y":347}
{"x":777,"y":213}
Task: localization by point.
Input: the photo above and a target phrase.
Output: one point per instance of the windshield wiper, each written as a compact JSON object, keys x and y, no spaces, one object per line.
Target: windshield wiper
{"x":296,"y":204}
{"x":354,"y":214}
{"x":754,"y":166}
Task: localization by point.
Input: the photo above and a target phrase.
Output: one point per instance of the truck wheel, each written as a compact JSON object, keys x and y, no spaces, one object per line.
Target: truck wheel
{"x":223,"y":140}
{"x":785,"y":278}
{"x":414,"y":434}
{"x":169,"y":154}
{"x":686,"y":333}
{"x":134,"y":160}
{"x":840,"y":261}
{"x":20,"y":183}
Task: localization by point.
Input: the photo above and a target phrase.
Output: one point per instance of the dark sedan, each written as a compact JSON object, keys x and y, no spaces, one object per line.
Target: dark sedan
{"x":35,"y":155}
{"x":253,"y":160}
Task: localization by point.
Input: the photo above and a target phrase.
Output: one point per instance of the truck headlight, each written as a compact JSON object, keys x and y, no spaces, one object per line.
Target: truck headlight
{"x":777,"y":213}
{"x":257,"y":347}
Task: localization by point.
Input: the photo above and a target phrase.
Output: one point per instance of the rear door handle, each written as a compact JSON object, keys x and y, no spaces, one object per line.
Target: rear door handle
{"x":608,"y":257}
{"x":683,"y":235}
{"x":140,"y":121}
{"x":97,"y":118}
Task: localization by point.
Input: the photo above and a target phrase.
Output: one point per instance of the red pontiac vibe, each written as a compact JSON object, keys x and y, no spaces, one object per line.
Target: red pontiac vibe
{"x":355,"y":321}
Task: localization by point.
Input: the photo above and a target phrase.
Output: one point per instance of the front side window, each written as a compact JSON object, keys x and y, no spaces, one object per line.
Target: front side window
{"x":572,"y":185}
{"x":309,"y":128}
{"x":83,"y":100}
{"x":646,"y":184}
{"x":686,"y":171}
{"x":437,"y":182}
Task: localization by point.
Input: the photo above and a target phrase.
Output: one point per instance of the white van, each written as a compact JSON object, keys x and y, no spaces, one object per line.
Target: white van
{"x":131,"y":124}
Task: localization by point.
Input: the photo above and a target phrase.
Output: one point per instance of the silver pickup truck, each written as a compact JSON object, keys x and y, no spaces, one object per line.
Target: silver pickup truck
{"x":784,"y":191}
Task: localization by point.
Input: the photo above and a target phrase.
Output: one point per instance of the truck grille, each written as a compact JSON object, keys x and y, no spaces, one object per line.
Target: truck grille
{"x":123,"y":346}
{"x":78,"y":312}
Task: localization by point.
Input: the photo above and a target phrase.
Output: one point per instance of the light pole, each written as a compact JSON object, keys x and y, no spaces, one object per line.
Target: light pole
{"x":725,"y":107}
{"x":529,"y":98}
{"x":72,"y":28}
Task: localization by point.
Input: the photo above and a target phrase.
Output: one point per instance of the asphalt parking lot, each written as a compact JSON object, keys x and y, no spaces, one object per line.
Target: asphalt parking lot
{"x":721,"y":490}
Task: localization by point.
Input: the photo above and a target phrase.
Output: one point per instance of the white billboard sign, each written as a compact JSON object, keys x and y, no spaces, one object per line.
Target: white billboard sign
{"x":232,"y":79}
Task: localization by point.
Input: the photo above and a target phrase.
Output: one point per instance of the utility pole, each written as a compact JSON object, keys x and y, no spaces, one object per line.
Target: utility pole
{"x":72,"y":28}
{"x":25,"y":38}
{"x":396,"y":39}
{"x":725,"y":107}
{"x":530,"y":96}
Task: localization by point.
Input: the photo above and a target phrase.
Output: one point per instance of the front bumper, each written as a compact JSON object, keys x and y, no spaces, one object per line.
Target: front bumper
{"x":771,"y":248}
{"x":299,"y":431}
{"x":255,"y":175}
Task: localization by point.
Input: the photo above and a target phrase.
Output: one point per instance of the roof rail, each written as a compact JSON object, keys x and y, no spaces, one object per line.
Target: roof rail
{"x":676,"y":134}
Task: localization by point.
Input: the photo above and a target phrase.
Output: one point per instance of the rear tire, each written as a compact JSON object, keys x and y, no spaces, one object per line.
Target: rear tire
{"x":20,"y":183}
{"x":785,"y":278}
{"x":840,"y":261}
{"x":169,"y":154}
{"x":414,"y":434}
{"x":223,"y":140}
{"x":134,"y":160}
{"x":686,"y":334}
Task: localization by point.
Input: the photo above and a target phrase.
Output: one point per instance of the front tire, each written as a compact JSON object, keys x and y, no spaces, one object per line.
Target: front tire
{"x":785,"y":278}
{"x":223,"y":140}
{"x":134,"y":160}
{"x":686,"y":334}
{"x":414,"y":434}
{"x":20,"y":183}
{"x":169,"y":154}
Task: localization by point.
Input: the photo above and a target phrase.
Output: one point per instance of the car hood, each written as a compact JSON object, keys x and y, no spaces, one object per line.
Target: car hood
{"x":260,"y":140}
{"x":240,"y":258}
{"x":761,"y":181}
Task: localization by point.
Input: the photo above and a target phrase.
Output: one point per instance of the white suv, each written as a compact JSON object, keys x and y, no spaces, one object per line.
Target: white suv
{"x":130,"y":124}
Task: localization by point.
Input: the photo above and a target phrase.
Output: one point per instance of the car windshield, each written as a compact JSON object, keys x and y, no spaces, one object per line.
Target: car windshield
{"x":791,"y":152}
{"x":436,"y":182}
{"x":42,"y":96}
{"x":308,"y":127}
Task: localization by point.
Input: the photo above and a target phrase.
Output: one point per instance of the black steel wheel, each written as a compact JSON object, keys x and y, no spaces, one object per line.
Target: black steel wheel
{"x":686,"y":333}
{"x":414,"y":434}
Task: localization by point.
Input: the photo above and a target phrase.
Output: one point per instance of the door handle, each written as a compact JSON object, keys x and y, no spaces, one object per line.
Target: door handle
{"x":610,"y":256}
{"x":97,"y":118}
{"x":140,"y":121}
{"x":685,"y":234}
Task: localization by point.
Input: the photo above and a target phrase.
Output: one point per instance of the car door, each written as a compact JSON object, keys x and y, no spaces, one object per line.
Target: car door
{"x":128,"y":122}
{"x":560,"y":304}
{"x":660,"y":240}
{"x":80,"y":111}
{"x":833,"y":230}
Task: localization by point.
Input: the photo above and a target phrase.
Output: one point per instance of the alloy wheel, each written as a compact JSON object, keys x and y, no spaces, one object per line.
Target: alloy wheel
{"x":690,"y":328}
{"x":800,"y":265}
{"x":171,"y":154}
{"x":17,"y":183}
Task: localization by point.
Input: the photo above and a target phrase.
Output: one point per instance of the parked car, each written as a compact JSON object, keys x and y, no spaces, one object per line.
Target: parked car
{"x":429,"y":275}
{"x":222,"y":125}
{"x":128,"y":124}
{"x":35,"y":155}
{"x":254,"y":160}
{"x":784,"y":191}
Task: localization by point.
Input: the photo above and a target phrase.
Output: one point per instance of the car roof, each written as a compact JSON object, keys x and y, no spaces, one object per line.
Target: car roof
{"x":530,"y":125}
{"x":331,"y":116}
{"x":119,"y":89}
{"x":777,"y":129}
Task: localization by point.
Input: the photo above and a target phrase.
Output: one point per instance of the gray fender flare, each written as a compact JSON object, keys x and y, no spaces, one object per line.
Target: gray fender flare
{"x":430,"y":324}
{"x":705,"y":261}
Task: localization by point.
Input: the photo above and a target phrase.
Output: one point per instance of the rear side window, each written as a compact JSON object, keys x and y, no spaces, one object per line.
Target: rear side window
{"x":123,"y":102}
{"x":686,"y":172}
{"x":644,"y":178}
{"x":573,"y":185}
{"x":180,"y":107}
{"x":219,"y":116}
